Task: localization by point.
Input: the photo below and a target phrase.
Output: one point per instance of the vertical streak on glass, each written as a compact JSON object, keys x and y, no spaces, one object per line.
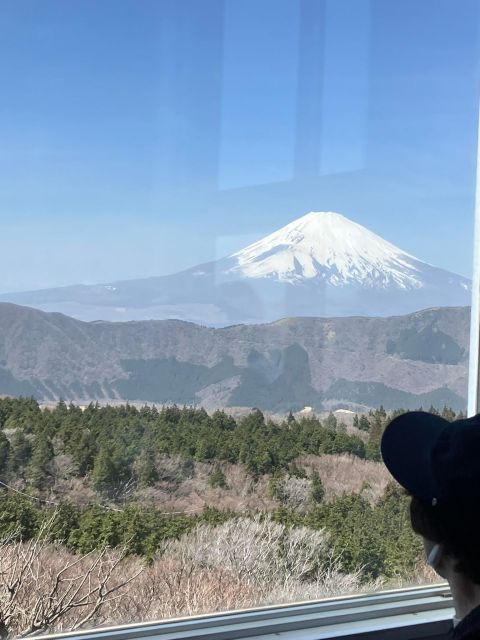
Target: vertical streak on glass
{"x":474,"y":356}
{"x":309,"y":91}
{"x":189,"y":95}
{"x":345,"y":86}
{"x":259,"y":87}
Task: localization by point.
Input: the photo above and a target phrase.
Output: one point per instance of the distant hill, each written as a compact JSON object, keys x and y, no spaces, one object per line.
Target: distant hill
{"x":320,"y":265}
{"x":403,"y":361}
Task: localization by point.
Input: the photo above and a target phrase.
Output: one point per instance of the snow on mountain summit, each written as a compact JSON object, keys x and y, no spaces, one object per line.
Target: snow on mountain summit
{"x":329,"y":247}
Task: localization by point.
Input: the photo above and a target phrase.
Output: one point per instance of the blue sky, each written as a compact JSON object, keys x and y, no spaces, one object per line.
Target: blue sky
{"x":140,"y":137}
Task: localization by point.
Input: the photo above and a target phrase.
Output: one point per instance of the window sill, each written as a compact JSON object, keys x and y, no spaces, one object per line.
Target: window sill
{"x":420,"y":612}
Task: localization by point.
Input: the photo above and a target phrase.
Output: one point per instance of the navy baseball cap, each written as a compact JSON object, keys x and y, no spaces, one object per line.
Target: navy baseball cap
{"x":436,"y":460}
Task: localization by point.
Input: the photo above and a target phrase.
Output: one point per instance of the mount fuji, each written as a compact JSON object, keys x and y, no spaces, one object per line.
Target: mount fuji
{"x":321,"y":264}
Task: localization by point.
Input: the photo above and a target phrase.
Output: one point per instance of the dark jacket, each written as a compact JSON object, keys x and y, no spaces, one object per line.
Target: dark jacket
{"x":468,"y":628}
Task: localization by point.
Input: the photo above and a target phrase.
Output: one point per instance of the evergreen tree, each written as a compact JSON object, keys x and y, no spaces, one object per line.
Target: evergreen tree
{"x":145,"y":469}
{"x":4,"y":453}
{"x":364,"y":423}
{"x":274,"y":485}
{"x":20,"y":451}
{"x":290,"y":418}
{"x":188,"y":468}
{"x":317,"y":491}
{"x":84,"y":452}
{"x":40,"y":468}
{"x":400,"y":547}
{"x":105,"y":473}
{"x":217,"y":479}
{"x":296,"y":471}
{"x":373,"y":444}
{"x":341,"y":427}
{"x":66,"y":520}
{"x":18,"y":516}
{"x":205,"y":450}
{"x":331,"y":422}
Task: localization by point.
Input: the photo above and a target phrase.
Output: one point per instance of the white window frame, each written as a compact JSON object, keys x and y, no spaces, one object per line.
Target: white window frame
{"x":403,"y":614}
{"x":474,"y":358}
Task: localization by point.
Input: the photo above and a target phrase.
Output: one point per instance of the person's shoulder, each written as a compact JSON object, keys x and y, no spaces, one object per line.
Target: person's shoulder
{"x":468,"y":628}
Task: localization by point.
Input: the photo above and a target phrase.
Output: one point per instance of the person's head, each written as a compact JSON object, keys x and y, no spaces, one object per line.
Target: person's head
{"x":456,"y":531}
{"x":438,"y":463}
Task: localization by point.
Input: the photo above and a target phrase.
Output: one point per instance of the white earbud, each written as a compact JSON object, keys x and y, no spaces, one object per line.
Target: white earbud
{"x":434,"y":556}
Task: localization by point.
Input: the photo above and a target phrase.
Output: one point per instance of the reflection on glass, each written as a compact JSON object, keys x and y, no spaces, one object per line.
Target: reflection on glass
{"x":236,"y":241}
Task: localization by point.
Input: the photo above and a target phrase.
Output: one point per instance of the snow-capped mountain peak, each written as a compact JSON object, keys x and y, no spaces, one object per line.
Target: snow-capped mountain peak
{"x":329,"y":247}
{"x":321,"y":264}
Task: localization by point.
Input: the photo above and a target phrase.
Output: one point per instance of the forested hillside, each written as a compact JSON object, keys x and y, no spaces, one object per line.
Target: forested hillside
{"x":177,"y":511}
{"x":135,"y":479}
{"x":325,"y":363}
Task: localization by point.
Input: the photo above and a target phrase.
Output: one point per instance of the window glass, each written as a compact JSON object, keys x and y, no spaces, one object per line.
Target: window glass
{"x":236,"y":239}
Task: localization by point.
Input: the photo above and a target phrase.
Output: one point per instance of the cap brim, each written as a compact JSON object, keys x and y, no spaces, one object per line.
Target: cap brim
{"x":407,"y":446}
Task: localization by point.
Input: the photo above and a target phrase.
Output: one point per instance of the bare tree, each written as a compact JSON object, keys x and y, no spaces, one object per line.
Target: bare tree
{"x":171,"y":587}
{"x":242,"y":563}
{"x":268,"y":556}
{"x":295,"y":492}
{"x":43,"y":586}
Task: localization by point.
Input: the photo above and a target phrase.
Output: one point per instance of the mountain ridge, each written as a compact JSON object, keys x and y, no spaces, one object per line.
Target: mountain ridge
{"x":287,"y":364}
